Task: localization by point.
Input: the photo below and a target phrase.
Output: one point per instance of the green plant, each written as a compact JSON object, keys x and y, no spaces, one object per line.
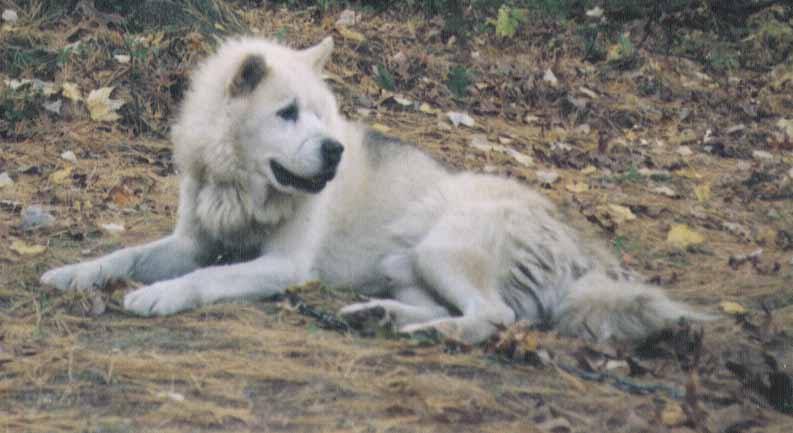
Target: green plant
{"x":16,"y":106}
{"x":722,"y":59}
{"x":384,"y":79}
{"x":280,"y":35}
{"x":632,"y":176}
{"x":458,"y":80}
{"x":64,"y":54}
{"x":509,"y":20}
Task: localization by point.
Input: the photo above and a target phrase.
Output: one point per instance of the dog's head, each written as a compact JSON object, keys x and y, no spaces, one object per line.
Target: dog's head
{"x":264,"y":112}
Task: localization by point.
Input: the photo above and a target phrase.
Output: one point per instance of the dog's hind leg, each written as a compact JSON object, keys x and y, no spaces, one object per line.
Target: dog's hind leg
{"x":410,"y":305}
{"x":463,"y":271}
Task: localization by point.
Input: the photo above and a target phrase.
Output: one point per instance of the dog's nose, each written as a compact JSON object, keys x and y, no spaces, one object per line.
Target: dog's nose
{"x":331,"y":152}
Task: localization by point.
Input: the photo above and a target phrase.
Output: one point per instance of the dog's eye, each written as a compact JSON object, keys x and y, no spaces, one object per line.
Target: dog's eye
{"x":289,"y":112}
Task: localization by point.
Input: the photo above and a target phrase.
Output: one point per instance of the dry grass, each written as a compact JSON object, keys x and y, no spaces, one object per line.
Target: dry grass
{"x":263,"y":367}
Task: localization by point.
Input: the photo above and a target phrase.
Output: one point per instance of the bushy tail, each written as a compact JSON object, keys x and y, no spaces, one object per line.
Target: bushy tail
{"x":599,"y":308}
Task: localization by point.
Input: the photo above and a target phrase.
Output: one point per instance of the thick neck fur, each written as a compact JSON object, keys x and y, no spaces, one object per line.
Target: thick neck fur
{"x":239,"y":208}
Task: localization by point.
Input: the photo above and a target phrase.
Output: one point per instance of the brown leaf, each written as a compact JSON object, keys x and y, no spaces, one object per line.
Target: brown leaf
{"x":122,"y":197}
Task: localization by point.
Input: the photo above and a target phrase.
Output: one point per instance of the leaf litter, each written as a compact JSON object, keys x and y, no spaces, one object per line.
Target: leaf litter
{"x":689,"y":220}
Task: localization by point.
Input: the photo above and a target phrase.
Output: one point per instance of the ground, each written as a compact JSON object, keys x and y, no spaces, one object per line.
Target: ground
{"x":686,"y":171}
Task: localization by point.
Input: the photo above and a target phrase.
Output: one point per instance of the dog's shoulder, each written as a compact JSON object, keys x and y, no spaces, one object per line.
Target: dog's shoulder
{"x":381,"y":148}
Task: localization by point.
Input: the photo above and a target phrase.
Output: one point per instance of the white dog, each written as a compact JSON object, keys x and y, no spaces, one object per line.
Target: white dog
{"x":278,"y":189}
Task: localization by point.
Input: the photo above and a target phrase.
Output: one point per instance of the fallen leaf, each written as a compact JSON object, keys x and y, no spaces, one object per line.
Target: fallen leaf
{"x":673,"y":415}
{"x":762,"y":155}
{"x":738,"y":230}
{"x":401,"y":100}
{"x":25,"y":249}
{"x":348,"y":17}
{"x":550,"y":78}
{"x":10,"y":16}
{"x":480,"y":142}
{"x":665,"y":190}
{"x":61,"y":176}
{"x":379,"y":127}
{"x":688,"y":173}
{"x":102,"y":107}
{"x":786,"y":125}
{"x":595,"y":12}
{"x":680,"y":235}
{"x":427,"y":108}
{"x":54,"y":106}
{"x":620,"y":214}
{"x":402,"y":64}
{"x":547,"y":177}
{"x":71,"y":92}
{"x":113,"y":228}
{"x":702,"y":192}
{"x":175,"y":396}
{"x":69,"y":156}
{"x":731,"y":307}
{"x":591,"y":94}
{"x":577,"y":187}
{"x":5,"y":180}
{"x":352,"y":35}
{"x":458,"y":119}
{"x":521,"y":158}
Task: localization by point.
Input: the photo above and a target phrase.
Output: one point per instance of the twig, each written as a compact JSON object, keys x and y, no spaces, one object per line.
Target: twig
{"x":326,"y":320}
{"x":624,"y":384}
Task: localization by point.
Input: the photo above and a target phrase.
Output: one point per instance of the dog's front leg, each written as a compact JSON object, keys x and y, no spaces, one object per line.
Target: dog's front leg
{"x":159,"y":260}
{"x":261,"y":278}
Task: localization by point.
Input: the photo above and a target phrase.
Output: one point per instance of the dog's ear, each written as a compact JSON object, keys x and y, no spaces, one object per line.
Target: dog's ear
{"x":250,"y":73}
{"x":319,"y":54}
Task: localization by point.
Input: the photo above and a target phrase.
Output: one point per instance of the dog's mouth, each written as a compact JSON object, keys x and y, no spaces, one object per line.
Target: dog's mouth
{"x":309,"y":184}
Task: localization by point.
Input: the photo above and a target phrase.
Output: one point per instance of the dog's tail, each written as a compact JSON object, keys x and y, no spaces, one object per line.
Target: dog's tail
{"x":601,"y":308}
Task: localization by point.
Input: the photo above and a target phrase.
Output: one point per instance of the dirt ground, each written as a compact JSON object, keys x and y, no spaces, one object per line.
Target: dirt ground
{"x":686,"y":172}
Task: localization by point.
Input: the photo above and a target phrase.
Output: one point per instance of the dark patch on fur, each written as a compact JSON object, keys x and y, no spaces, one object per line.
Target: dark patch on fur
{"x":248,"y":76}
{"x":381,"y":148}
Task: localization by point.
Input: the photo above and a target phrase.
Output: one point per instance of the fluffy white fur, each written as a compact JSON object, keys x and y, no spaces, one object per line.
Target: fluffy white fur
{"x":458,"y":253}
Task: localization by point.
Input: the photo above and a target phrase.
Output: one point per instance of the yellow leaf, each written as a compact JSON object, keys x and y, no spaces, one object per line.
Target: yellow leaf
{"x":620,"y":214}
{"x":24,"y":249}
{"x":427,"y":108}
{"x":702,"y":192}
{"x":71,"y":92}
{"x":589,"y":169}
{"x":350,"y":34}
{"x":673,"y":415}
{"x":379,"y":127}
{"x":688,"y":173}
{"x":530,"y":342}
{"x":61,"y":176}
{"x":681,"y":236}
{"x":730,"y":307}
{"x":614,"y":52}
{"x":101,"y":106}
{"x":577,"y":187}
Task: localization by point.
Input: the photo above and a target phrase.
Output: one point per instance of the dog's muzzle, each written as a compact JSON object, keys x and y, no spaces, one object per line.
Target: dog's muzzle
{"x":331,"y":156}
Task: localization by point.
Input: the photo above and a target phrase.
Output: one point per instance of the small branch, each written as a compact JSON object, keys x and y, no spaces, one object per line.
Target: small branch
{"x":326,"y":319}
{"x":624,"y":384}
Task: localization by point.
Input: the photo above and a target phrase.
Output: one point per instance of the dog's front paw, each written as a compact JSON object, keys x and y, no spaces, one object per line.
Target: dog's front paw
{"x":86,"y":275}
{"x":161,"y":299}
